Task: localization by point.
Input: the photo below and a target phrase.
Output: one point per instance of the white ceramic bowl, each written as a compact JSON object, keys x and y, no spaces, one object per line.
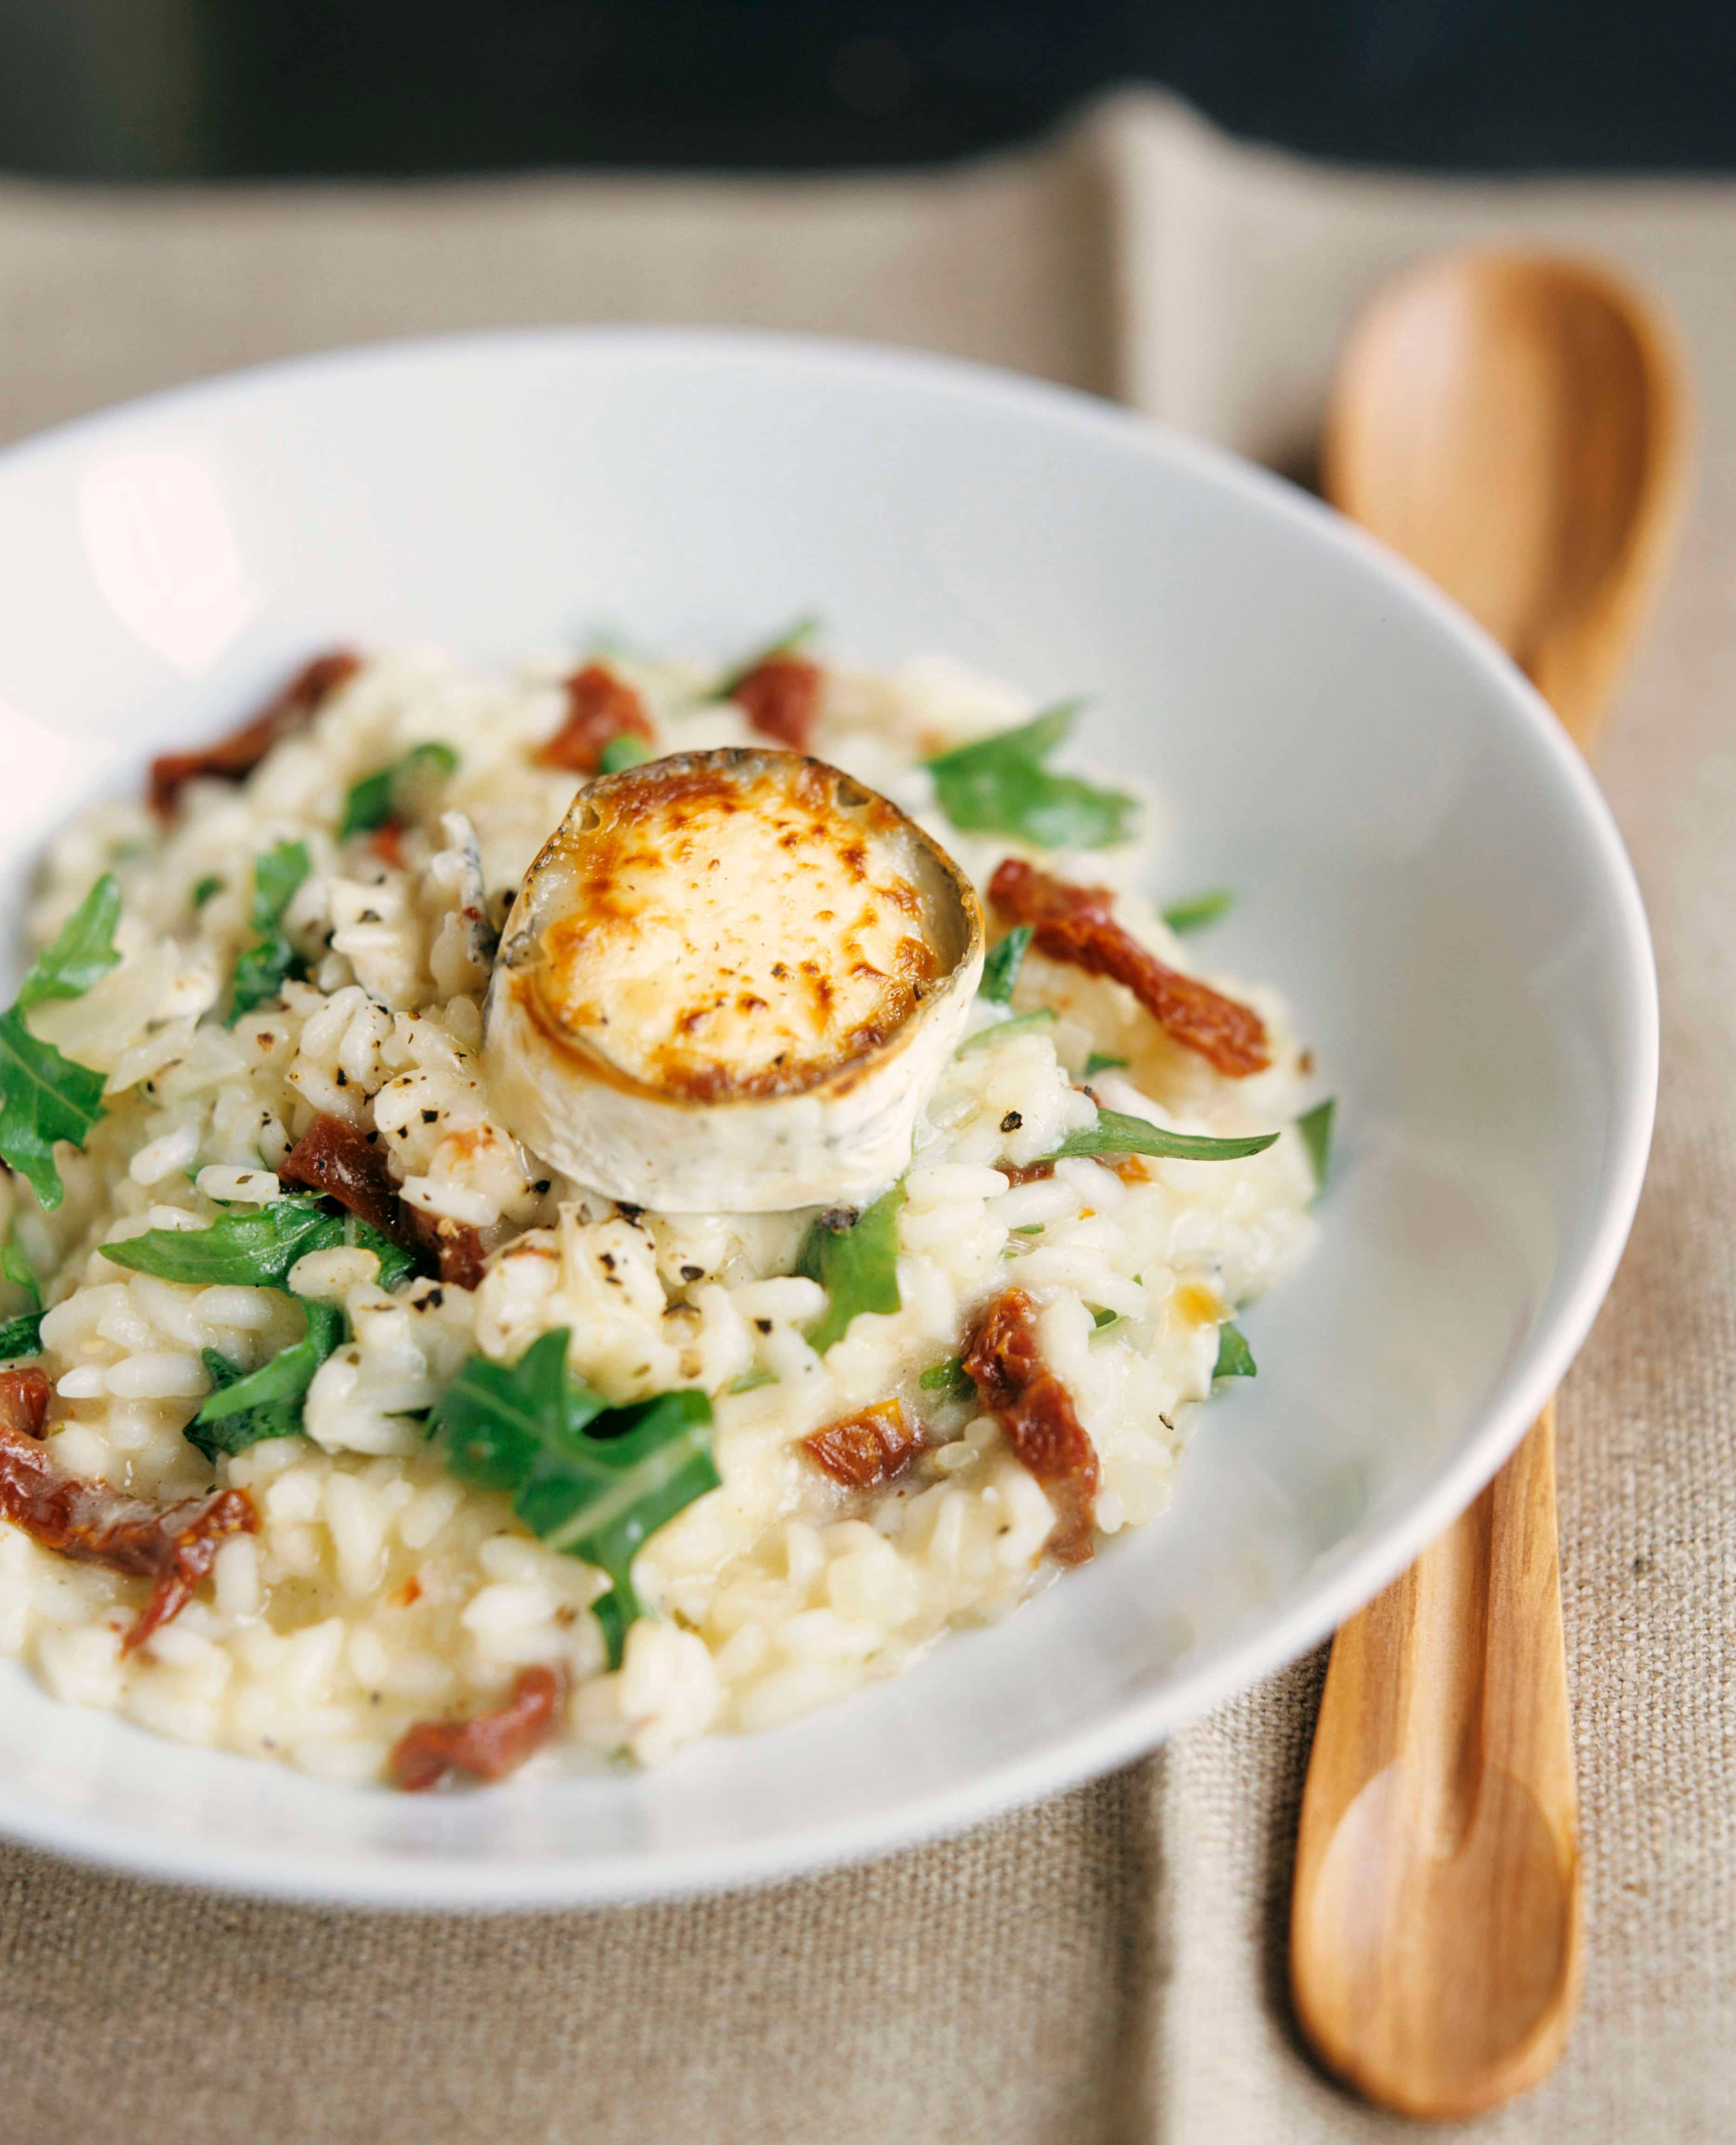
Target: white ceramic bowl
{"x":1421,"y":863}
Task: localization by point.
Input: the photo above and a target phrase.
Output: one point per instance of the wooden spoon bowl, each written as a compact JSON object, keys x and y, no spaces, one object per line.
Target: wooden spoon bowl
{"x":1514,"y":427}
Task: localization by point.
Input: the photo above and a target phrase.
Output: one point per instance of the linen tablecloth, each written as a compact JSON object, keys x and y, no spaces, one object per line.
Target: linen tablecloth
{"x":1110,"y":1965}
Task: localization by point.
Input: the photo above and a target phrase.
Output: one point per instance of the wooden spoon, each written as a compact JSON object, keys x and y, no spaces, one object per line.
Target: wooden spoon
{"x":1516,"y":427}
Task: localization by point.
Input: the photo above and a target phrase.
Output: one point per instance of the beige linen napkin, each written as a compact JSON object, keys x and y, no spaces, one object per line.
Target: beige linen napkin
{"x":1109,"y":1965}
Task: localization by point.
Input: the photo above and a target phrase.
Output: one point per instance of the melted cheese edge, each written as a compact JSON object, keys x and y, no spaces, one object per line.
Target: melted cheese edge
{"x":716,"y":935}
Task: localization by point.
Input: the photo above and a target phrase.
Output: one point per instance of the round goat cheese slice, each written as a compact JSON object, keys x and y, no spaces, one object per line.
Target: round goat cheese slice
{"x":728,"y":982}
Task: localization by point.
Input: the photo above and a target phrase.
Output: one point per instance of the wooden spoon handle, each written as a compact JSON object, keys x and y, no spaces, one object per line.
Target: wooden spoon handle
{"x":1440,"y":1805}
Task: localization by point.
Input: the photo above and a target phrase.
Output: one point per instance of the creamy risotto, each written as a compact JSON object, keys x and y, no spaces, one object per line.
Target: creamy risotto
{"x":546,"y":1215}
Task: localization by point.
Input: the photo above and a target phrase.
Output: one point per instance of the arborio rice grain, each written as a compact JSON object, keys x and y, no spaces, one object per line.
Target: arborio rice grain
{"x":378,"y":1591}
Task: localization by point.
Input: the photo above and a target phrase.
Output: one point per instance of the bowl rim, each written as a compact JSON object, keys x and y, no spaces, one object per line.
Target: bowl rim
{"x":442,"y":1880}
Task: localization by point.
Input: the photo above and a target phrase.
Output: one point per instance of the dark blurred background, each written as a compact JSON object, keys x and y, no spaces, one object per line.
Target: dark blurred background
{"x":270,"y":88}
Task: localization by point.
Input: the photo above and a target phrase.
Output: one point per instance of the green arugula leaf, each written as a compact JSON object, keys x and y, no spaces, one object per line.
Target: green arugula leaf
{"x":368,"y":805}
{"x":750,"y":1382}
{"x":276,"y":874}
{"x":613,"y":1612}
{"x":1101,"y":1319}
{"x":17,"y":1270}
{"x":1000,"y":786}
{"x":620,"y":752}
{"x":1115,"y":1133}
{"x":643,"y":1464}
{"x":259,"y":975}
{"x":792,"y":639}
{"x":1100,"y":1061}
{"x":256,"y":1247}
{"x":949,"y":1379}
{"x":46,"y":1098}
{"x":206,"y":888}
{"x":396,"y":1264}
{"x":249,"y":1407}
{"x":1022,"y":1024}
{"x":1235,"y":1358}
{"x":83,"y":950}
{"x":593,"y":1480}
{"x":1002,"y":965}
{"x":1197,"y":911}
{"x":266,"y":966}
{"x":21,"y":1336}
{"x":1315,"y":1126}
{"x":397,"y":792}
{"x":856,"y":1262}
{"x":500,"y":1420}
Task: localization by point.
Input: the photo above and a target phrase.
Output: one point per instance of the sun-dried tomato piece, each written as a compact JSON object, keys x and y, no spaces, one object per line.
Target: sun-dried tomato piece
{"x":191,"y":1534}
{"x":1026,"y":1173}
{"x":488,"y":1746}
{"x":241,"y":752}
{"x":1074,"y":924}
{"x":600,"y":708}
{"x":332,"y":1156}
{"x":176,"y":1544}
{"x":24,"y":1397}
{"x":867,"y":1448}
{"x":782,"y":698}
{"x":387,"y":843}
{"x":455,"y":1247}
{"x":1037,"y":1418}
